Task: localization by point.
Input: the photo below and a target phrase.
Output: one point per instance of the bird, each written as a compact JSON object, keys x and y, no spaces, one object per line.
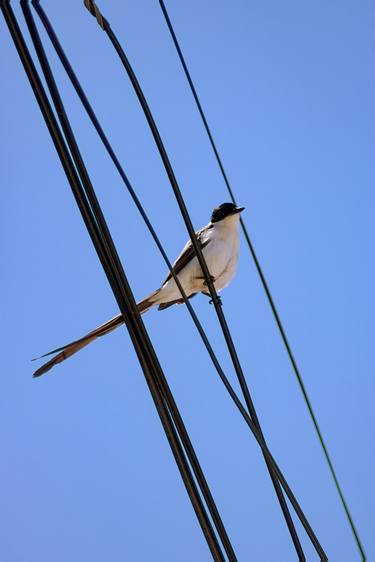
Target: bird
{"x":219,"y":242}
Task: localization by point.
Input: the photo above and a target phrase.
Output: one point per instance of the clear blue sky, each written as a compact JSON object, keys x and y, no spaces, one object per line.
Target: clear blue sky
{"x":86,"y":473}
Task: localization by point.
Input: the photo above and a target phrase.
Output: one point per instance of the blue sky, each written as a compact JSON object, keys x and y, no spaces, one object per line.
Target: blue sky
{"x":289,"y":92}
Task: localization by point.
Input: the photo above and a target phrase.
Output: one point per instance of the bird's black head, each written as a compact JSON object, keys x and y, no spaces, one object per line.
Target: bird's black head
{"x":224,"y":210}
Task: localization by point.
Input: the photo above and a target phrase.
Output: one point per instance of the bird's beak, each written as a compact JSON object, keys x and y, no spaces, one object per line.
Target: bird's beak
{"x":238,"y":210}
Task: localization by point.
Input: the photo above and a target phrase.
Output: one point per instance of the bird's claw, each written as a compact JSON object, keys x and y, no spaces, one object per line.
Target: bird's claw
{"x":211,"y":301}
{"x":219,"y":301}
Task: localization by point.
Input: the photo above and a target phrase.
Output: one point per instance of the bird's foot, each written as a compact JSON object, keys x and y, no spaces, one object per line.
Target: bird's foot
{"x":212,"y":300}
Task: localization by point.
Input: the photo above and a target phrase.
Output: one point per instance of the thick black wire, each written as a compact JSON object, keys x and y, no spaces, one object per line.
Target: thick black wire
{"x":42,"y":100}
{"x":263,"y":281}
{"x":122,"y":290}
{"x":91,"y":6}
{"x":107,"y":145}
{"x":171,"y":404}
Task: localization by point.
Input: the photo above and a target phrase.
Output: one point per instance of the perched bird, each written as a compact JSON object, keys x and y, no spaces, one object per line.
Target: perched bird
{"x":219,"y":241}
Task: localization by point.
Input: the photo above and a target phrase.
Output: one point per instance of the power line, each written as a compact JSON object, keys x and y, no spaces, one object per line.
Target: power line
{"x":92,"y":7}
{"x":264,"y":282}
{"x":103,"y":243}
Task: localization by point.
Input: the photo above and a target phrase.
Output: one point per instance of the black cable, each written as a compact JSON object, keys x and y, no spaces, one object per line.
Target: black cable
{"x":118,"y":282}
{"x":114,"y":158}
{"x":91,"y":6}
{"x":263,"y":281}
{"x":269,"y":456}
{"x":97,"y":211}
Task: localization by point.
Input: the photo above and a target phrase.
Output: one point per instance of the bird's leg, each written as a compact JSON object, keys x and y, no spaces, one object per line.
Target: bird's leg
{"x":212,"y":300}
{"x":209,"y":294}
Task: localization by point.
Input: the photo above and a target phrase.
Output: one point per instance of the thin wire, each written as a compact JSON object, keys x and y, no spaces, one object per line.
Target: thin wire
{"x":217,"y":303}
{"x":86,"y":104}
{"x":116,"y":277}
{"x":263,"y":280}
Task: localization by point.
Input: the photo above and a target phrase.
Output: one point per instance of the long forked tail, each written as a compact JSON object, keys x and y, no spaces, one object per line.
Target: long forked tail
{"x":71,"y":348}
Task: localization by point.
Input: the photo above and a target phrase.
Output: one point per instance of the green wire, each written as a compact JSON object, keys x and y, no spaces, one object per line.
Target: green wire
{"x":265,"y":286}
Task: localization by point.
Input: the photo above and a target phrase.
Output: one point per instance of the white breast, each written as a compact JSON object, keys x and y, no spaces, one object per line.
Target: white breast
{"x":221,"y":255}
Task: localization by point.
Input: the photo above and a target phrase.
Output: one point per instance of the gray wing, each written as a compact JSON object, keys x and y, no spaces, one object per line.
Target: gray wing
{"x":188,"y":252}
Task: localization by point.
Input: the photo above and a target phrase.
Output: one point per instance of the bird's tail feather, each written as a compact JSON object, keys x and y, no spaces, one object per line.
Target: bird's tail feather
{"x":71,"y":348}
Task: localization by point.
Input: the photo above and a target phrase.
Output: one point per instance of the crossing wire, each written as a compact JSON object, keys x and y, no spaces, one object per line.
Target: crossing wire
{"x":67,"y":66}
{"x":103,"y":243}
{"x":92,"y":7}
{"x":104,"y":24}
{"x":264,"y":283}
